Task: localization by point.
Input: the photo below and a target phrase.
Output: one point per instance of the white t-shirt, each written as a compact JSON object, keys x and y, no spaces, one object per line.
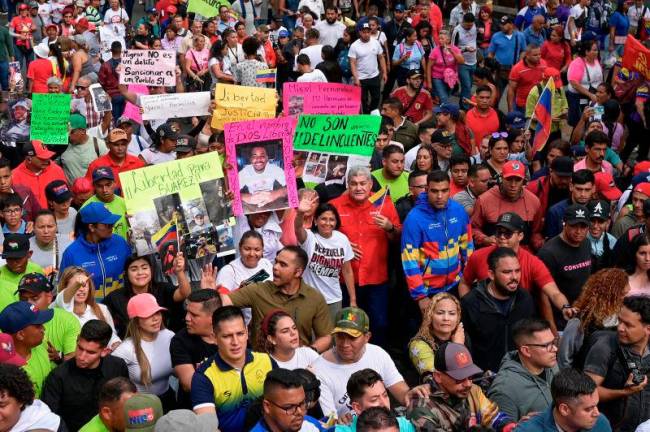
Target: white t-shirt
{"x":65,"y":227}
{"x":88,"y":314}
{"x":334,"y":378}
{"x":138,"y":144}
{"x":575,"y":12}
{"x":314,"y":76}
{"x":366,"y":54}
{"x":44,"y":256}
{"x":235,"y":272}
{"x":329,"y":34}
{"x":314,"y":54}
{"x":634,"y":13}
{"x":152,"y":156}
{"x":303,"y":357}
{"x":117,"y":19}
{"x":160,"y":361}
{"x":261,"y":182}
{"x":326,"y":258}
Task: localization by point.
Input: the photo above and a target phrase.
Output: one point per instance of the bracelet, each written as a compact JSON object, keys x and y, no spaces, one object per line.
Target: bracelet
{"x":566,"y":306}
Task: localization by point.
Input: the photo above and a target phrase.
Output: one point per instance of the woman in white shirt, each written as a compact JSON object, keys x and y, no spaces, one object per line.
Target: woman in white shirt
{"x":146,"y":349}
{"x":330,"y":253}
{"x":74,"y":286}
{"x":279,"y":337}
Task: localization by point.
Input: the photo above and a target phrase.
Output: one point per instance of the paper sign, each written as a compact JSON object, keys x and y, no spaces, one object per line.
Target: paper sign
{"x":326,"y":146}
{"x":132,"y":111}
{"x":207,"y":8}
{"x":320,"y":98}
{"x":191,"y":190}
{"x":175,"y":105}
{"x":238,"y":103}
{"x":50,"y":117}
{"x":107,"y":36}
{"x":101,"y":99}
{"x":260,"y":152}
{"x":148,"y":67}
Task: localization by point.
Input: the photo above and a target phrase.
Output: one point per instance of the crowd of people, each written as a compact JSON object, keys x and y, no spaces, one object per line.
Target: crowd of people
{"x":467,"y":278}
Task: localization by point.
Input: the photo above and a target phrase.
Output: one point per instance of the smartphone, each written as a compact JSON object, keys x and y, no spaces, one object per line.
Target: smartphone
{"x":599,"y":110}
{"x":260,"y":276}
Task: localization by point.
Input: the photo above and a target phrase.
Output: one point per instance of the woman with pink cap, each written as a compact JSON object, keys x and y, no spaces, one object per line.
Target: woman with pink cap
{"x":146,"y":349}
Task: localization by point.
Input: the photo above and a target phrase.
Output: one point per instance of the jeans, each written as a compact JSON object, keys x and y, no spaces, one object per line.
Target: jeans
{"x":373,"y":299}
{"x":4,"y":75}
{"x":442,"y":90}
{"x":575,"y":109}
{"x":24,"y":58}
{"x":119,"y":103}
{"x":465,"y":75}
{"x":370,"y":93}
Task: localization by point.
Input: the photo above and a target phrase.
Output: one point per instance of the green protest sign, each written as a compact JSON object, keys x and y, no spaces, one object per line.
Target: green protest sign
{"x":327,"y":146}
{"x":206,"y":8}
{"x":50,"y":118}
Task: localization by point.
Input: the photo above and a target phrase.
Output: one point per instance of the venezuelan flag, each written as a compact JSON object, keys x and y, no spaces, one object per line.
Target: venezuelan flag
{"x":543,"y":114}
{"x":166,"y":234}
{"x":377,"y":199}
{"x":265,"y":75}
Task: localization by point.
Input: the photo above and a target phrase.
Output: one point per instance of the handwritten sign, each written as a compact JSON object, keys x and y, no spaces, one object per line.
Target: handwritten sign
{"x":240,"y":103}
{"x":148,"y":67}
{"x":175,"y":105}
{"x":206,"y":8}
{"x":50,"y":117}
{"x":320,"y":98}
{"x":270,"y":141}
{"x":107,"y":36}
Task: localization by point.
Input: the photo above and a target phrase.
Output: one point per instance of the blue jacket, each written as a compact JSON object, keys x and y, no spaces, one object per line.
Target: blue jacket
{"x":104,"y":261}
{"x":554,"y":216}
{"x":544,"y":422}
{"x":435,"y":247}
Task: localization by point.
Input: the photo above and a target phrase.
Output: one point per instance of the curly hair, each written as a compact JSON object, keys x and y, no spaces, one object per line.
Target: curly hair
{"x":602,"y":296}
{"x":426,"y":329}
{"x":15,"y":382}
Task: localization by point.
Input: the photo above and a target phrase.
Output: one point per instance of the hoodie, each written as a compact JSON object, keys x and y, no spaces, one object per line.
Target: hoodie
{"x":104,"y":261}
{"x":436,"y":244}
{"x":38,"y":416}
{"x":517,"y":392}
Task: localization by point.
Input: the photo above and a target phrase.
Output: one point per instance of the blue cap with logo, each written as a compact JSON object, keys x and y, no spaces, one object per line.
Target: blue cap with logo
{"x":103,"y":173}
{"x":96,"y":212}
{"x":19,"y":315}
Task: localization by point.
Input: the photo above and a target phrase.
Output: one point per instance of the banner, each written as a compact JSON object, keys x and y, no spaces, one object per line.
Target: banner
{"x":326,"y":146}
{"x":207,"y":8}
{"x":320,"y":98}
{"x":175,"y":105}
{"x":148,"y":67}
{"x":239,"y":103}
{"x":193,"y":191}
{"x":262,"y":176}
{"x":636,"y":57}
{"x":50,"y":117}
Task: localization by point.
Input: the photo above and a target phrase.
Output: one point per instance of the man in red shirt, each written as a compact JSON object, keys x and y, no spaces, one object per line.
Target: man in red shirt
{"x":525,"y":75}
{"x":482,"y":120}
{"x":37,"y":171}
{"x":370,"y":227}
{"x":117,"y":158}
{"x":417,"y":102}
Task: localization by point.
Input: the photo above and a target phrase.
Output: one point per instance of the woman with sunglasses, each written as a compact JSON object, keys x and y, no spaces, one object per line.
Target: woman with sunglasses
{"x":498,"y":150}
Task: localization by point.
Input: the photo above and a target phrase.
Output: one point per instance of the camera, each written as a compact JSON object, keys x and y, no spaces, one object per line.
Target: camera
{"x":638,"y":375}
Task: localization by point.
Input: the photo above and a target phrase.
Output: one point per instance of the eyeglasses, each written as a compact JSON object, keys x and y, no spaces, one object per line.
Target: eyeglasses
{"x":504,"y":233}
{"x":81,"y":87}
{"x":12,"y":211}
{"x":421,"y":187}
{"x":547,"y":346}
{"x":496,"y":135}
{"x":291,"y":409}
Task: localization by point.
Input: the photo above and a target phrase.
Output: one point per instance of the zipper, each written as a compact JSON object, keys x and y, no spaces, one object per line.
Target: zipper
{"x":103,"y":270}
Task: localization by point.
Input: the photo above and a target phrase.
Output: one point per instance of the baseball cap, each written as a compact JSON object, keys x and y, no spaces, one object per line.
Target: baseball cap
{"x":456,"y":361}
{"x":441,"y":137}
{"x":82,"y":22}
{"x":33,"y":4}
{"x":8,"y":353}
{"x":352,"y":321}
{"x":413,"y":73}
{"x":15,"y":246}
{"x":516,"y":120}
{"x":185,"y":144}
{"x":54,"y":26}
{"x":23,"y":6}
{"x":562,"y":166}
{"x":576,"y":214}
{"x":642,"y":167}
{"x":365,"y":26}
{"x":166,"y":131}
{"x":96,"y":212}
{"x":606,"y":187}
{"x":143,"y":306}
{"x":400,"y":7}
{"x":599,"y":209}
{"x":151,"y":10}
{"x":511,"y":221}
{"x":77,"y":121}
{"x":35,"y":283}
{"x":644,"y":188}
{"x":141,"y":412}
{"x":103,"y":173}
{"x":283,"y":34}
{"x":506,"y":19}
{"x":36,"y":148}
{"x":23,"y":103}
{"x":82,"y":185}
{"x":57,"y":191}
{"x":116,"y":135}
{"x":186,"y":420}
{"x":21,"y":314}
{"x":513,"y":169}
{"x":447,"y":108}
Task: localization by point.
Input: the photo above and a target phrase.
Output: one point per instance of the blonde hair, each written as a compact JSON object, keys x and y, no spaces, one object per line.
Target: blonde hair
{"x":67,"y":275}
{"x":134,"y":332}
{"x":426,"y":329}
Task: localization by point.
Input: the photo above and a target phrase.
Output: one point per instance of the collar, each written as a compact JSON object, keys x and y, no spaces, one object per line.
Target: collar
{"x":402,"y":123}
{"x":300,"y":292}
{"x":224,"y":367}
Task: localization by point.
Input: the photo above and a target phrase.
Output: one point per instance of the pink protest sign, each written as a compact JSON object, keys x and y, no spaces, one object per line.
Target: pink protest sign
{"x":260,"y":153}
{"x":148,"y":67}
{"x":131,"y":111}
{"x":320,"y":98}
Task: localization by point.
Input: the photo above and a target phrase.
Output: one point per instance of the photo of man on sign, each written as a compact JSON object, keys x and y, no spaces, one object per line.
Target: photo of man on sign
{"x":262,"y":182}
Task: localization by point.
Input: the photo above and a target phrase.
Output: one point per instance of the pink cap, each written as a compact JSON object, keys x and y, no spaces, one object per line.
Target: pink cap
{"x":644,"y":188}
{"x":143,"y":306}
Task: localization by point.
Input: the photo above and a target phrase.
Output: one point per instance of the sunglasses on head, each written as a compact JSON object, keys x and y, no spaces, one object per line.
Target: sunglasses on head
{"x":496,"y":135}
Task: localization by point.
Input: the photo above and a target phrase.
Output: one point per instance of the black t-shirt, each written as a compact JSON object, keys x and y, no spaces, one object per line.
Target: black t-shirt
{"x":188,"y":349}
{"x":570,"y":266}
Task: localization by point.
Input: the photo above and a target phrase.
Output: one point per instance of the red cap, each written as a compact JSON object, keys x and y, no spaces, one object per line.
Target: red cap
{"x":606,"y":187}
{"x":8,"y":353}
{"x":644,"y":188}
{"x":83,"y":23}
{"x":38,"y":149}
{"x":170,"y":9}
{"x":143,"y":306}
{"x":642,"y":167}
{"x":82,"y":185}
{"x":513,"y":169}
{"x":23,"y":6}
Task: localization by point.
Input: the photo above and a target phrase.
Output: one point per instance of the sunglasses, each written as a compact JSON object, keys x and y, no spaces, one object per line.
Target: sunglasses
{"x":496,"y":135}
{"x":81,"y":87}
{"x":506,"y":234}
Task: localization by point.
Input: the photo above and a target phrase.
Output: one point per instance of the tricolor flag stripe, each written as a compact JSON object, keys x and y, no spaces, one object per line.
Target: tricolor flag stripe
{"x":544,"y":116}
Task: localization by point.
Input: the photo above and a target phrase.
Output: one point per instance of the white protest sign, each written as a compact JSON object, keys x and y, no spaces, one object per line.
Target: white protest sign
{"x":107,"y":37}
{"x":175,"y":105}
{"x":148,"y":67}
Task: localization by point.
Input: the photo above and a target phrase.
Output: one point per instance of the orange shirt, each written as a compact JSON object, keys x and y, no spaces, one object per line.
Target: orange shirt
{"x":130,"y":163}
{"x":358,"y":225}
{"x":482,"y":125}
{"x":22,"y":176}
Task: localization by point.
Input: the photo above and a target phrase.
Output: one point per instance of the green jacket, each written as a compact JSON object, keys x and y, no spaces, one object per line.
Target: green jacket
{"x":6,"y":44}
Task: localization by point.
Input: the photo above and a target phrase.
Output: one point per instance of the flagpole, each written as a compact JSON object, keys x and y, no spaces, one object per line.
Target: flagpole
{"x":383,"y":201}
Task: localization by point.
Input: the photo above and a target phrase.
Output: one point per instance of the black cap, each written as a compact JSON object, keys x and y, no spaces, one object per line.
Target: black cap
{"x":15,"y":246}
{"x":599,"y":209}
{"x":441,"y":137}
{"x":185,"y":144}
{"x":507,"y":19}
{"x":562,"y":166}
{"x":57,"y":191}
{"x":35,"y":283}
{"x":576,"y":214}
{"x":413,"y":72}
{"x":511,"y":221}
{"x":166,"y":131}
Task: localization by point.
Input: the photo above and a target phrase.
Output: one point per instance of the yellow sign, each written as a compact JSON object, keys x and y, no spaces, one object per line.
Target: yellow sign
{"x":238,"y":103}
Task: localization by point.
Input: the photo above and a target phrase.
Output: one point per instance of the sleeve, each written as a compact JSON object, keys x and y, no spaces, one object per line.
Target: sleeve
{"x":466,"y":241}
{"x":52,"y":391}
{"x":397,"y":53}
{"x":322,"y":321}
{"x":348,"y":254}
{"x":72,"y":330}
{"x":326,"y":399}
{"x":576,"y":70}
{"x":244,"y":297}
{"x":492,"y":47}
{"x":352,"y":53}
{"x":541,"y":275}
{"x":570,"y":343}
{"x":201,"y":391}
{"x":503,"y":399}
{"x":179,"y":353}
{"x":60,"y":303}
{"x":519,"y":19}
{"x":422,"y":356}
{"x":477,"y":221}
{"x":226,"y":278}
{"x":488,"y":412}
{"x":389,"y":372}
{"x":547,"y":259}
{"x":514,"y":73}
{"x":598,"y":358}
{"x":411,"y":242}
{"x":469,"y":272}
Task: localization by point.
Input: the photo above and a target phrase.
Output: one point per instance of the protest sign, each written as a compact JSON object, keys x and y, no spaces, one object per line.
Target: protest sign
{"x":238,"y":103}
{"x":320,"y":98}
{"x":326,"y":146}
{"x":207,"y":8}
{"x":636,"y":57}
{"x":148,"y":67}
{"x":50,"y":117}
{"x":132,"y":111}
{"x":101,"y":99}
{"x":191,"y":191}
{"x":261,"y":153}
{"x":175,"y":105}
{"x":107,"y":36}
